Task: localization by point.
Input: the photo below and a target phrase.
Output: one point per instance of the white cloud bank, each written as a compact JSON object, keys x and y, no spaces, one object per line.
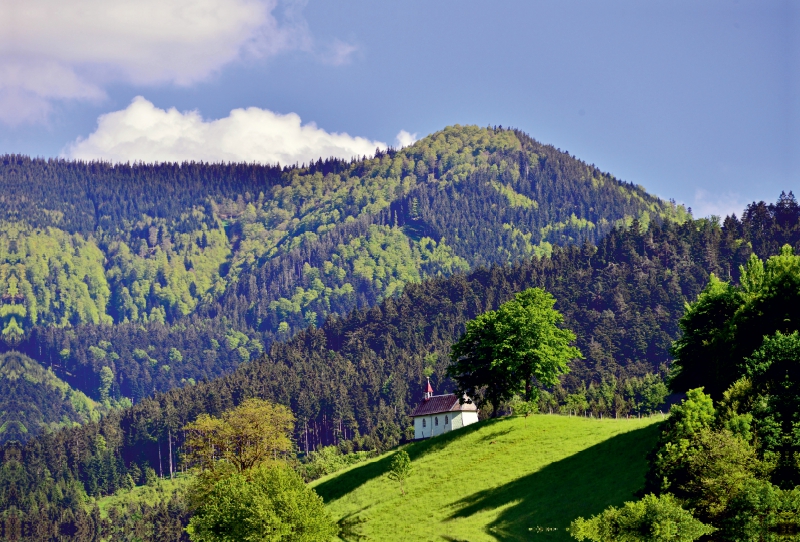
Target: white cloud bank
{"x":56,"y":49}
{"x":143,"y":132}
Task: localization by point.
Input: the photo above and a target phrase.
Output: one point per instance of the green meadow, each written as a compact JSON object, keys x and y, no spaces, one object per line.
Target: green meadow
{"x":497,"y":480}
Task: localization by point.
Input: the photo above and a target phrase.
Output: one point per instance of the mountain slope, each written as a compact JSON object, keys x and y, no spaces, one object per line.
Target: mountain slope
{"x":498,"y":480}
{"x":171,"y":274}
{"x":356,"y":378}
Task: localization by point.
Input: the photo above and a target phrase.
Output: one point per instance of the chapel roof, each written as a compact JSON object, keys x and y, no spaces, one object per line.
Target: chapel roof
{"x":440,"y":404}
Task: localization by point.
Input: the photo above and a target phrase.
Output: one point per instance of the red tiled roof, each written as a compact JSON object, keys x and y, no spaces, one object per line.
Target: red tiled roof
{"x":441,"y":403}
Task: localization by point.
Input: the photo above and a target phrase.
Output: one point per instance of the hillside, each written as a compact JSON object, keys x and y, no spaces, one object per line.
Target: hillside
{"x":506,"y":479}
{"x":32,"y":397}
{"x":169,"y":274}
{"x":353,"y":380}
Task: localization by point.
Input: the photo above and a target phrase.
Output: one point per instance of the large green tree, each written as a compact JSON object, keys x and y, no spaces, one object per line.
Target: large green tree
{"x":245,"y":436}
{"x":728,"y":322}
{"x":504,"y":352}
{"x":773,"y":372}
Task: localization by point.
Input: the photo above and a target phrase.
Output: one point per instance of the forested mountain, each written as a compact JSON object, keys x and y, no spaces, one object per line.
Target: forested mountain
{"x":354,"y":379}
{"x":166,"y":275}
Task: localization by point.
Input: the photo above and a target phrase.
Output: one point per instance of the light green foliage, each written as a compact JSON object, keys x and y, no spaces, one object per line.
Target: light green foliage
{"x":576,"y":403}
{"x":693,"y":414}
{"x":157,"y":272}
{"x":271,"y":503}
{"x":150,"y":476}
{"x":523,"y":241}
{"x":244,"y":437}
{"x":62,"y":279}
{"x":506,"y":349}
{"x":106,"y":380}
{"x":175,"y":355}
{"x":506,"y":479}
{"x":307,"y":205}
{"x":773,"y":374}
{"x":761,"y":512}
{"x":521,"y":407}
{"x":652,"y":519}
{"x":515,"y":199}
{"x":652,"y":390}
{"x":386,"y":257}
{"x":153,"y":269}
{"x":429,"y":364}
{"x":52,"y":277}
{"x":400,"y":468}
{"x":573,"y":222}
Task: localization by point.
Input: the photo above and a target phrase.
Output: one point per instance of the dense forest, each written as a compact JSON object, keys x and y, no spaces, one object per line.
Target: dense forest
{"x":353,"y":380}
{"x":166,"y":275}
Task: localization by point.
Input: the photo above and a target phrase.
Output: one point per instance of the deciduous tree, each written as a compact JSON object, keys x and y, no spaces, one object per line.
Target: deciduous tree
{"x":504,"y":352}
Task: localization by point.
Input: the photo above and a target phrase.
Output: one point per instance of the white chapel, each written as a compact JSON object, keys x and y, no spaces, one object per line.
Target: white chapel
{"x":438,"y":414}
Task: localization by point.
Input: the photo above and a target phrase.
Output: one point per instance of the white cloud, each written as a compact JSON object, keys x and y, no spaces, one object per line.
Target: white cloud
{"x":404,"y":139}
{"x":143,"y":132}
{"x":56,"y":49}
{"x":707,"y":204}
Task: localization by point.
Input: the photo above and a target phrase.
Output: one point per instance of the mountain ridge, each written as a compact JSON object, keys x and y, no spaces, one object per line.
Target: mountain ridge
{"x":170,"y":274}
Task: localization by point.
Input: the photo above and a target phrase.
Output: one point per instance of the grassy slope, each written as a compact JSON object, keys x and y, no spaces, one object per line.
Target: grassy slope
{"x":509,"y":479}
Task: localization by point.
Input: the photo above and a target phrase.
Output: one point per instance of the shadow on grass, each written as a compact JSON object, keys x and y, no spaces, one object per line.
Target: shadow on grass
{"x":583,"y":484}
{"x":495,"y":435}
{"x":338,"y":486}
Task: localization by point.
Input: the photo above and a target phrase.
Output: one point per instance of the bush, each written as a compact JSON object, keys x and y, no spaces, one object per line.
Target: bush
{"x":269,"y":503}
{"x":653,"y":519}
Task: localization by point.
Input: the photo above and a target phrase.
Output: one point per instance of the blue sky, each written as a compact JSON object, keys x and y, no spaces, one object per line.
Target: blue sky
{"x":695,"y":100}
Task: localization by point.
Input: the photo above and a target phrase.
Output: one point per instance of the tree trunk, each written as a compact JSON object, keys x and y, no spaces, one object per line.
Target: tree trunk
{"x":529,"y":388}
{"x":169,"y":440}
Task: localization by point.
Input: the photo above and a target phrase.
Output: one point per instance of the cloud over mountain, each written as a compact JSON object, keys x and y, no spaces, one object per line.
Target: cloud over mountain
{"x":55,"y":50}
{"x":144,"y":132}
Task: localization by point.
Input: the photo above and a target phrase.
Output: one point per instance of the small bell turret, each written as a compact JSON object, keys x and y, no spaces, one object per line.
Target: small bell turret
{"x":428,"y":390}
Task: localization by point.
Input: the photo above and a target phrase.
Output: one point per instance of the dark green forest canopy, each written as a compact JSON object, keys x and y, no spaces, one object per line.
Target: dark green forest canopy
{"x":360,"y":375}
{"x":170,"y":274}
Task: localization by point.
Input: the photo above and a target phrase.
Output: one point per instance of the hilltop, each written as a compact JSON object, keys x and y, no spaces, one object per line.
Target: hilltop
{"x":503,"y":479}
{"x":168,"y":274}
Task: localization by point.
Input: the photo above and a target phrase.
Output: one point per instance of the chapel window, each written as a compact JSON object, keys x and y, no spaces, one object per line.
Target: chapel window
{"x":423,"y":422}
{"x":446,"y":420}
{"x":436,"y":420}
